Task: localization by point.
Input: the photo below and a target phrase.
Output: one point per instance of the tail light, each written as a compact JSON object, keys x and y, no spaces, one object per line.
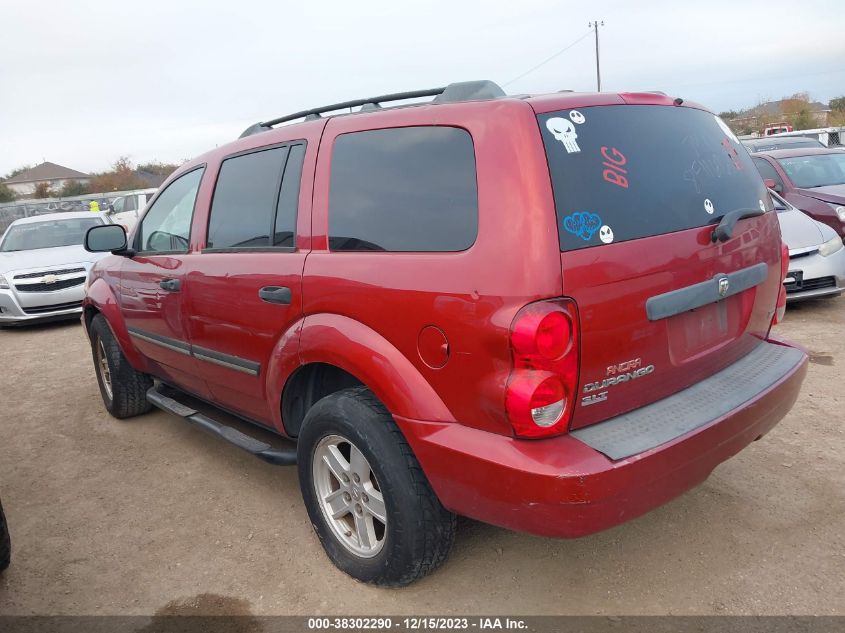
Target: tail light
{"x":780,"y":311}
{"x":542,"y":387}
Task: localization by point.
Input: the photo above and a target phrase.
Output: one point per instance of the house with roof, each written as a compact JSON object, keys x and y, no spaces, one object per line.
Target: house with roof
{"x":24,"y":183}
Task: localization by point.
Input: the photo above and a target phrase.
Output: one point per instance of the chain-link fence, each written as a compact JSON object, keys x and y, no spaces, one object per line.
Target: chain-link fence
{"x":11,"y":211}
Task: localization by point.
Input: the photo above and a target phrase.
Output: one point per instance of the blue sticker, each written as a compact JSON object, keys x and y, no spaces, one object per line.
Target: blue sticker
{"x":583,"y":224}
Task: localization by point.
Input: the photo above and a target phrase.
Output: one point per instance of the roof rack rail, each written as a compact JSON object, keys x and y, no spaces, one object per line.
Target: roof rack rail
{"x":453,"y":93}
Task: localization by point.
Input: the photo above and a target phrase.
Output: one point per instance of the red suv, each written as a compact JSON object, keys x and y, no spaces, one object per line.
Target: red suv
{"x":550,"y":313}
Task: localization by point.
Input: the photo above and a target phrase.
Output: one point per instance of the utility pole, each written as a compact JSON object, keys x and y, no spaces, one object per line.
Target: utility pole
{"x":595,"y":26}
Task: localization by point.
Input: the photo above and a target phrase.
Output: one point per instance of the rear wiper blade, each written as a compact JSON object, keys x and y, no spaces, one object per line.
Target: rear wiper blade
{"x":725,"y":228}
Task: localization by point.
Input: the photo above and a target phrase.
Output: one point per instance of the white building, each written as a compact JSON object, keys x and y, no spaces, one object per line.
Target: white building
{"x":54,"y":175}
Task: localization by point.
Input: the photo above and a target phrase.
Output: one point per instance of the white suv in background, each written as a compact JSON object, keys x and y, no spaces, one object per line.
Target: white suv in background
{"x":126,"y":209}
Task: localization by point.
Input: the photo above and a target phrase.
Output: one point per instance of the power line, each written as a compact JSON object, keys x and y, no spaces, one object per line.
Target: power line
{"x":547,"y":60}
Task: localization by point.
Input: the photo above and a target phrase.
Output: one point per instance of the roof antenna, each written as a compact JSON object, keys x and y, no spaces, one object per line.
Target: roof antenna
{"x":678,"y":101}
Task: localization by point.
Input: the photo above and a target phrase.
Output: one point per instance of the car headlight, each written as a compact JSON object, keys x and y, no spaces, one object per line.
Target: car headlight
{"x":840,"y":213}
{"x":831,"y":246}
{"x":4,"y":285}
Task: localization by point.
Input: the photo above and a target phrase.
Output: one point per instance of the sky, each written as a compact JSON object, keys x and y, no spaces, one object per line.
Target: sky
{"x":85,"y":82}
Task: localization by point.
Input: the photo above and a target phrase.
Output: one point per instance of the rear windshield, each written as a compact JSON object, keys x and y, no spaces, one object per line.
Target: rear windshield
{"x":630,"y":171}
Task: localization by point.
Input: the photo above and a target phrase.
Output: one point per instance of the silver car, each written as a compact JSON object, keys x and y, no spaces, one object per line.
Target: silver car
{"x":816,"y":254}
{"x":43,"y":266}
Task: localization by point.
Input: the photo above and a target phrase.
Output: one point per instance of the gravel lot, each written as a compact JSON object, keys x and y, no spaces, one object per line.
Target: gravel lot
{"x":153,"y":516}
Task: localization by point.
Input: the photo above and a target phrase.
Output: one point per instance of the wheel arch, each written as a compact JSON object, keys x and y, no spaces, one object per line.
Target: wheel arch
{"x":336,"y":352}
{"x":100,"y":299}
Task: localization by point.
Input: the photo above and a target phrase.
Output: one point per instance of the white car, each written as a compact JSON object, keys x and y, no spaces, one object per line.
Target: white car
{"x":816,"y":254}
{"x":126,"y":209}
{"x":43,"y":266}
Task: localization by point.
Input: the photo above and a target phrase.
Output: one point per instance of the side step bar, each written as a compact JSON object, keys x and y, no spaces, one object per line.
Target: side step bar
{"x":262,"y":450}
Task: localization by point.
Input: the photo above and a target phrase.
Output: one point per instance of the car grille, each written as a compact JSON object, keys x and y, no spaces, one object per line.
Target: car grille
{"x":802,"y":285}
{"x":64,"y":271}
{"x":53,"y":308}
{"x":56,"y":285}
{"x":800,"y":255}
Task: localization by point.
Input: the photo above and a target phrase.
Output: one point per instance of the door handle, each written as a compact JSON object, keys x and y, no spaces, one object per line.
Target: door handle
{"x":275,"y":294}
{"x":171,"y":285}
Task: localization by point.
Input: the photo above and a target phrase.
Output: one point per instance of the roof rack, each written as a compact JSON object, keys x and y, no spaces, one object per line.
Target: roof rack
{"x":453,"y":93}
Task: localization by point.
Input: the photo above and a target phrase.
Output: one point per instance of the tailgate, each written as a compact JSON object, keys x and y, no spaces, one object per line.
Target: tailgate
{"x":638,"y":191}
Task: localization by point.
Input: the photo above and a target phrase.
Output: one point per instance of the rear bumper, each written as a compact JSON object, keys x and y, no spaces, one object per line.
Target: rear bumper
{"x":563,"y":487}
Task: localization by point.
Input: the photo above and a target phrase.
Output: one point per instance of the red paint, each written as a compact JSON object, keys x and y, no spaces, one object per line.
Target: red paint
{"x":377,"y":316}
{"x":613,"y":160}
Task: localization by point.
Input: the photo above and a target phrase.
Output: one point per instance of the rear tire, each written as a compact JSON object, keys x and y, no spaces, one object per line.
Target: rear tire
{"x":378,"y":477}
{"x":124,"y":390}
{"x":5,"y":541}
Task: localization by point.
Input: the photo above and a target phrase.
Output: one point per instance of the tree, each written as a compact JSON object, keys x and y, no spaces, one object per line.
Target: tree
{"x":838,"y":104}
{"x":42,"y":190}
{"x":6,"y":194}
{"x":122,"y":177}
{"x":73,"y":188}
{"x":158,"y":168}
{"x":796,"y":109}
{"x":16,"y":171}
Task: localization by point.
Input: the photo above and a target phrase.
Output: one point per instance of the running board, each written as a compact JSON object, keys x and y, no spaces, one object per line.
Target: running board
{"x":262,"y":450}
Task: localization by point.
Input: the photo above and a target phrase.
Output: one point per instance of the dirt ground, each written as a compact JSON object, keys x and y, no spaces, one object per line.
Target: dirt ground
{"x":152,"y":515}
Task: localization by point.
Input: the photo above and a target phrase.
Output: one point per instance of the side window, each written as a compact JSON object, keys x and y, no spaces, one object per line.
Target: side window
{"x":285,"y":229}
{"x":118,"y":204}
{"x":767,"y":171}
{"x":130,"y":205}
{"x":403,"y":189}
{"x":167,"y":224}
{"x":252,"y":207}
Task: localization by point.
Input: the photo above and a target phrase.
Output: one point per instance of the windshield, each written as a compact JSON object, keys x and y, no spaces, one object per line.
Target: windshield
{"x":818,"y":170}
{"x":625,"y":172}
{"x":47,"y":234}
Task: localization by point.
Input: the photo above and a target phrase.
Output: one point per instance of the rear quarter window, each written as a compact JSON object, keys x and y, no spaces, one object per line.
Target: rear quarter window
{"x":626,"y":172}
{"x":403,"y":189}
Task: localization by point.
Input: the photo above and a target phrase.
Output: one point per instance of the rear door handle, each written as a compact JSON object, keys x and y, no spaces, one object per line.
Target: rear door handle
{"x":275,"y":294}
{"x":171,"y":285}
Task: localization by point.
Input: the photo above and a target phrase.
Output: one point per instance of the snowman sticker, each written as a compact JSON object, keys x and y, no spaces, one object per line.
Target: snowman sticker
{"x":564,"y":131}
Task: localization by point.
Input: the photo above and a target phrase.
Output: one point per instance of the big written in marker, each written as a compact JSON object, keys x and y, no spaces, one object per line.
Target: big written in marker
{"x":614,"y":173}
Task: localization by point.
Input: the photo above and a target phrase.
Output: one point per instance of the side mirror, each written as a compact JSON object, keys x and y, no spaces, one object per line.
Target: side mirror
{"x":770,"y":183}
{"x":111,"y":208}
{"x":106,"y":238}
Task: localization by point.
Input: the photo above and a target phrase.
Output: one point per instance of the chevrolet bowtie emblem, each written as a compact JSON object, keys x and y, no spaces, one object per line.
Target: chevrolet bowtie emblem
{"x":49,"y":279}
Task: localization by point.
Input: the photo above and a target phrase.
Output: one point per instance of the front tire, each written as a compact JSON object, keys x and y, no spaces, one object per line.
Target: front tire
{"x":124,"y":390}
{"x":369,"y":502}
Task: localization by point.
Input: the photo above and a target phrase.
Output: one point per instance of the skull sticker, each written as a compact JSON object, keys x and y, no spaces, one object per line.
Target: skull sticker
{"x":577,"y":117}
{"x":564,"y":131}
{"x":606,"y":234}
{"x":708,"y":206}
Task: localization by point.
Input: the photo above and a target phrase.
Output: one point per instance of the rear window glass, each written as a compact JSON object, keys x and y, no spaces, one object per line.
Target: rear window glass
{"x":627,"y":172}
{"x":403,"y":189}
